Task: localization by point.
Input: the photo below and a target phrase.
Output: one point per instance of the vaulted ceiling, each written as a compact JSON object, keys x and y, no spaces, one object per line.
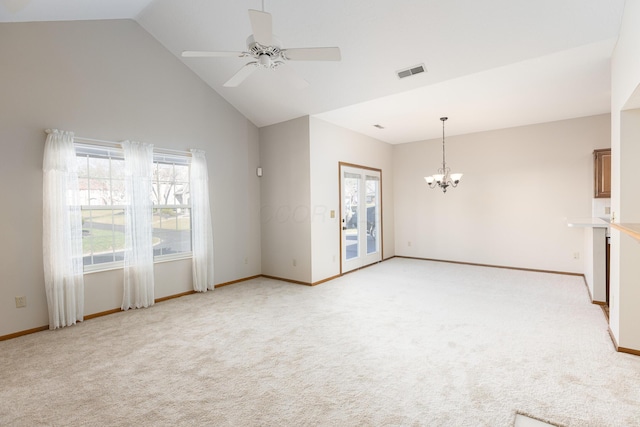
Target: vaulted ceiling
{"x":490,"y":64}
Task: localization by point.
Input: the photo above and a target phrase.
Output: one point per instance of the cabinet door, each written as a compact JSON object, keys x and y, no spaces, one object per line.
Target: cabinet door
{"x":602,"y":173}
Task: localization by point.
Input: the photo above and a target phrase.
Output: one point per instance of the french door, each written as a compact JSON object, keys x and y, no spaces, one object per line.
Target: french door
{"x":360,"y":203}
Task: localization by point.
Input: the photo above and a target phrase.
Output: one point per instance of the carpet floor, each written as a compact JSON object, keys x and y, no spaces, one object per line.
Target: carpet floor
{"x":401,"y":343}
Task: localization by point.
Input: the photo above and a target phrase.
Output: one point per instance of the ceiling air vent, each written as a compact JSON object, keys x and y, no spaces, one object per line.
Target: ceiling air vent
{"x":408,"y":72}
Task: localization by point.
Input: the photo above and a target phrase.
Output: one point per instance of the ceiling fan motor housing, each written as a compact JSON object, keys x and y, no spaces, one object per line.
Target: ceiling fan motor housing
{"x":257,"y":50}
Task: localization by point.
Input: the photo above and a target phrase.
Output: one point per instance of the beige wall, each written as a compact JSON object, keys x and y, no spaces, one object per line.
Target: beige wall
{"x":519,"y":187}
{"x":285,"y":200}
{"x":330,"y":145}
{"x":111,"y":80}
{"x":625,"y":173}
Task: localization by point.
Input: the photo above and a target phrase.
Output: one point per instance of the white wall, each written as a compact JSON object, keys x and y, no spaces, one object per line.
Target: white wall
{"x":111,"y":80}
{"x":330,"y":145}
{"x":510,"y":209}
{"x":625,"y":180}
{"x":595,"y":265}
{"x":299,"y":188}
{"x":285,"y":200}
{"x":628,"y":297}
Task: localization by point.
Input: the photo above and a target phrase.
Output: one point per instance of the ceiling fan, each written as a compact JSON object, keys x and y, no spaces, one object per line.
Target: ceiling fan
{"x":267,"y":51}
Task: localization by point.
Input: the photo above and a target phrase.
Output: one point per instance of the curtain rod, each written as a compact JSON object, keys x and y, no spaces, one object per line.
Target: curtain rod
{"x":119,"y":144}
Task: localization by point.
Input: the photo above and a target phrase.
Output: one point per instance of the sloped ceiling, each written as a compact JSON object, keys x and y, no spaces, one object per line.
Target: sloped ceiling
{"x":490,"y":64}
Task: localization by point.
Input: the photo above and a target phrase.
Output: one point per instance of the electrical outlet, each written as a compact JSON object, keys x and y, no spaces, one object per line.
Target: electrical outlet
{"x":246,"y":260}
{"x":576,"y":255}
{"x":409,"y":243}
{"x":295,"y":263}
{"x":21,"y":302}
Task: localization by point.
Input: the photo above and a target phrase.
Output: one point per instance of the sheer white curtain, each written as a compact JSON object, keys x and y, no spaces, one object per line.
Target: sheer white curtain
{"x":62,"y":231}
{"x":138,"y":255}
{"x":201,"y":231}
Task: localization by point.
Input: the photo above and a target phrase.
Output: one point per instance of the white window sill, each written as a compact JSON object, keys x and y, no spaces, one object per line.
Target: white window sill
{"x":108,"y":266}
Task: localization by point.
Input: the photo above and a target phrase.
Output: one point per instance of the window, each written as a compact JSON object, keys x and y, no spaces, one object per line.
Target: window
{"x":103,"y":203}
{"x":172,"y":206}
{"x":102,"y":199}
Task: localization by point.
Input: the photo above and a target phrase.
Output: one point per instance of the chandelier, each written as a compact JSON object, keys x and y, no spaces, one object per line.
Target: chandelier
{"x":443,"y":178}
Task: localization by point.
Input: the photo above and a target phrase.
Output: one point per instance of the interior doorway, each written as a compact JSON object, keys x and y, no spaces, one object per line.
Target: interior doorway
{"x":361,"y":214}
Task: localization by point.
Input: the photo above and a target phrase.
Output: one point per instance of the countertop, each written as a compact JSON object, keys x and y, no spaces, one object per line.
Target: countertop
{"x":588,"y":222}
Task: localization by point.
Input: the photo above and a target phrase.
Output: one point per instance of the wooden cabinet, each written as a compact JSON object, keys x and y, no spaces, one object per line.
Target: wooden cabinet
{"x":602,"y":173}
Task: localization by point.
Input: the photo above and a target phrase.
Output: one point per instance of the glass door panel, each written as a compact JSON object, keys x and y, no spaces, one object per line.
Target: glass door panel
{"x":360,"y":217}
{"x":350,"y":216}
{"x":372,"y":190}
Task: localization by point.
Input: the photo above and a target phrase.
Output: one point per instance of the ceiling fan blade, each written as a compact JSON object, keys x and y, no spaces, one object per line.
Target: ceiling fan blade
{"x":205,"y":54}
{"x":242,"y":74}
{"x":262,"y":27}
{"x":313,"y":54}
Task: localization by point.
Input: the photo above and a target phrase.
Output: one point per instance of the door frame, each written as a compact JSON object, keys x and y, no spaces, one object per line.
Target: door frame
{"x":340,"y":201}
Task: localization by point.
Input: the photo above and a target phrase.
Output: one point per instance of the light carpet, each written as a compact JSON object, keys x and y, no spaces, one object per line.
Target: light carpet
{"x":401,"y":343}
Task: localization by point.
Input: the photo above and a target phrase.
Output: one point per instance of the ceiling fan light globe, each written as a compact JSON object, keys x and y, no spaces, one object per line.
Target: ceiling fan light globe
{"x":264,"y":61}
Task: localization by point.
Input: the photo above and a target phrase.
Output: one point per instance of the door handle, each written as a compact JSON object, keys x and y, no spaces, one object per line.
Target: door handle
{"x":344,"y":228}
